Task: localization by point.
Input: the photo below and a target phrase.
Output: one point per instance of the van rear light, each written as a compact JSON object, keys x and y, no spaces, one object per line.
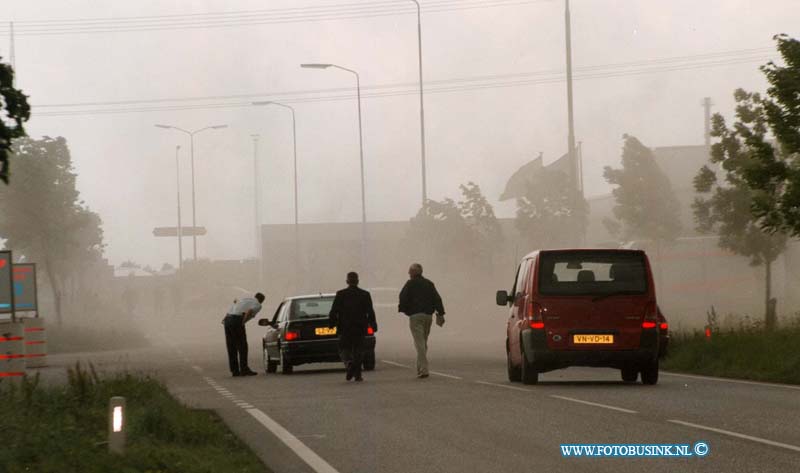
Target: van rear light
{"x":291,"y":335}
{"x":650,"y":315}
{"x":534,"y":315}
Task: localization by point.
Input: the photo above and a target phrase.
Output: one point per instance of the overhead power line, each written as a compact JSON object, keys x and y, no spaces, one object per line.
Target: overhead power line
{"x":249,"y":18}
{"x":394,"y":90}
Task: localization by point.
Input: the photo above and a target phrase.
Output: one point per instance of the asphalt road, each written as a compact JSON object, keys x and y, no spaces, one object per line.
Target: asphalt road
{"x":467,"y":417}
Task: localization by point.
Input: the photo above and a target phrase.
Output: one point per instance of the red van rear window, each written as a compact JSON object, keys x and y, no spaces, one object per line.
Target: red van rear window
{"x":591,"y":273}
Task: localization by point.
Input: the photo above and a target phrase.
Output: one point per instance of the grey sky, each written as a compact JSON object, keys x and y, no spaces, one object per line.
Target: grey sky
{"x":126,"y":166}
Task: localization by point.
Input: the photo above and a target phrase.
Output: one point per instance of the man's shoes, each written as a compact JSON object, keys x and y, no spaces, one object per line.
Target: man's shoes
{"x":349,"y":374}
{"x":249,"y":373}
{"x":422,"y":375}
{"x":359,"y":378}
{"x":235,"y":375}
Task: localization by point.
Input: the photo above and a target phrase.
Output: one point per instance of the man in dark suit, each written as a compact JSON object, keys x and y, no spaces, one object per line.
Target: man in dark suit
{"x":351,"y":314}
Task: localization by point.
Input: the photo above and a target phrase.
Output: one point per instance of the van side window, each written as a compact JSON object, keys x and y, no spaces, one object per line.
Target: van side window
{"x":522,"y":273}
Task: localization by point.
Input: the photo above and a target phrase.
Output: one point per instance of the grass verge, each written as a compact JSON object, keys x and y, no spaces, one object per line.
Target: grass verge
{"x":744,"y":353}
{"x":63,"y":429}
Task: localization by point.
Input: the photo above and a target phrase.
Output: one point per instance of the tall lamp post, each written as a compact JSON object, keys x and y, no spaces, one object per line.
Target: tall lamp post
{"x":191,"y":140}
{"x":178,"y":187}
{"x":421,"y":107}
{"x":256,"y":210}
{"x":361,"y":157}
{"x":294,"y":150}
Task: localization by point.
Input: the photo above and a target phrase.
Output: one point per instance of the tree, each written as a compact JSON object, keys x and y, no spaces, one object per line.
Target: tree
{"x":646,"y":207}
{"x":42,"y":217}
{"x":479,"y":216}
{"x":14,"y":110}
{"x":451,"y":231}
{"x":773,"y":170}
{"x":550,"y":214}
{"x":727,"y":207}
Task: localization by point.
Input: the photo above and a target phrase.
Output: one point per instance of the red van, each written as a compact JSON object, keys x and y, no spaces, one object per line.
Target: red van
{"x":587,"y":307}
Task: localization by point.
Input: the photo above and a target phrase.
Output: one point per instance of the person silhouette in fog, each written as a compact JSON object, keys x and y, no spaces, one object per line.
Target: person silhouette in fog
{"x":352,"y":313}
{"x":419,"y":299}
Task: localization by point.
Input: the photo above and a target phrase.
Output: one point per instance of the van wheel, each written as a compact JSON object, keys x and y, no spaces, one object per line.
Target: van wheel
{"x":629,"y":375}
{"x":650,"y":373}
{"x":528,"y":374}
{"x":514,"y":372}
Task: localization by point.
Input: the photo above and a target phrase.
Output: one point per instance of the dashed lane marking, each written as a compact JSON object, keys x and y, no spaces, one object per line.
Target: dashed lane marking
{"x":445,"y":375}
{"x":595,"y":404}
{"x":394,"y":363}
{"x":737,"y":435}
{"x":507,"y":386}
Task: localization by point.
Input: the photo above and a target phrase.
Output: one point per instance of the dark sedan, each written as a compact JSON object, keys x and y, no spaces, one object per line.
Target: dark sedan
{"x":298,"y":333}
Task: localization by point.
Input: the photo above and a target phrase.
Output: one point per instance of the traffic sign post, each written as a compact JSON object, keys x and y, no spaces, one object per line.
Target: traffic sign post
{"x":6,"y":285}
{"x":24,"y":284}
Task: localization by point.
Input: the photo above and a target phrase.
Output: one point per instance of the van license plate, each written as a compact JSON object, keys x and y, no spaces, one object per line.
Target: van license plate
{"x":325,"y":331}
{"x":592,"y":339}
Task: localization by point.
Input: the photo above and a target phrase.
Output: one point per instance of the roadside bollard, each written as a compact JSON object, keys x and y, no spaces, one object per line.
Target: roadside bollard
{"x":116,"y":425}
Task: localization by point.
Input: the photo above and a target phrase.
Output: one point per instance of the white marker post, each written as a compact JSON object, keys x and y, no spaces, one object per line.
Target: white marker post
{"x":116,"y":425}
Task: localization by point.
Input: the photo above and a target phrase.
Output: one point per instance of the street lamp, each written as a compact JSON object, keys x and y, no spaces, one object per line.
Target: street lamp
{"x":178,"y":187}
{"x":294,"y":144}
{"x":361,"y":156}
{"x":191,"y":140}
{"x":421,"y":107}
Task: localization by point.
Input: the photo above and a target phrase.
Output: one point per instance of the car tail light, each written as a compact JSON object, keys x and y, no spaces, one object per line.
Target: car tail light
{"x":370,"y":331}
{"x":663,"y":326}
{"x":290,"y":335}
{"x":650,"y":316}
{"x":534,"y":315}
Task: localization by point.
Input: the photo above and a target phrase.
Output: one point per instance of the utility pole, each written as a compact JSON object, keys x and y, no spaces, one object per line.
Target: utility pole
{"x":571,"y":124}
{"x":257,"y":212}
{"x":178,"y":186}
{"x":421,"y":106}
{"x":11,"y":53}
{"x":707,"y":118}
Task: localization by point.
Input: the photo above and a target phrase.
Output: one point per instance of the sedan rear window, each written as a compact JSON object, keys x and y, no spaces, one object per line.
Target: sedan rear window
{"x":591,"y":273}
{"x":315,"y":308}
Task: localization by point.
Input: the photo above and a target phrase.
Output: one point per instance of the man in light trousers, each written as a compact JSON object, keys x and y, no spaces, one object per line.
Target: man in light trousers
{"x":419,"y":300}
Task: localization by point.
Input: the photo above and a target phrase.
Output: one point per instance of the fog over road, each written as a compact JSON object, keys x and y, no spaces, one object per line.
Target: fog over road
{"x":467,"y":416}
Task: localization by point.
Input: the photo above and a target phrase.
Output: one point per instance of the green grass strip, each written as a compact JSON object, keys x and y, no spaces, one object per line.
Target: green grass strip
{"x":63,"y":429}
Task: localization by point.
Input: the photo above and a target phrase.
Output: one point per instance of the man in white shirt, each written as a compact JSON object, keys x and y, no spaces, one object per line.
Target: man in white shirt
{"x":235,"y":334}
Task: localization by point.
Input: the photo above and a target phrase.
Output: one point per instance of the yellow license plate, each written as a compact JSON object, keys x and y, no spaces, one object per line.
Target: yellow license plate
{"x":325,"y":331}
{"x":592,"y":339}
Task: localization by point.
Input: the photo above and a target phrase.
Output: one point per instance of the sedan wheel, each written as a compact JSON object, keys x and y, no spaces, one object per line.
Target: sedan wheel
{"x":286,"y":365}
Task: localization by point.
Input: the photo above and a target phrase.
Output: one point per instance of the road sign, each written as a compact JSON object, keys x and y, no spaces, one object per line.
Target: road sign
{"x":25,"y":299}
{"x":6,"y":296}
{"x":173,"y":231}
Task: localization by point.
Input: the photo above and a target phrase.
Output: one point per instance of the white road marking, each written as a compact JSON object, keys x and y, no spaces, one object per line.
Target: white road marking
{"x":247,"y":406}
{"x":445,"y":375}
{"x":728,"y":380}
{"x":395,"y":364}
{"x":736,"y":434}
{"x":197,"y":368}
{"x":507,"y":386}
{"x":299,"y":448}
{"x":595,"y":404}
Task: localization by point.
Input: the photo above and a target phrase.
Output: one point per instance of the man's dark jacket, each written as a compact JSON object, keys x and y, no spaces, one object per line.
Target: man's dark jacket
{"x":352,"y":312}
{"x":419,"y":296}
